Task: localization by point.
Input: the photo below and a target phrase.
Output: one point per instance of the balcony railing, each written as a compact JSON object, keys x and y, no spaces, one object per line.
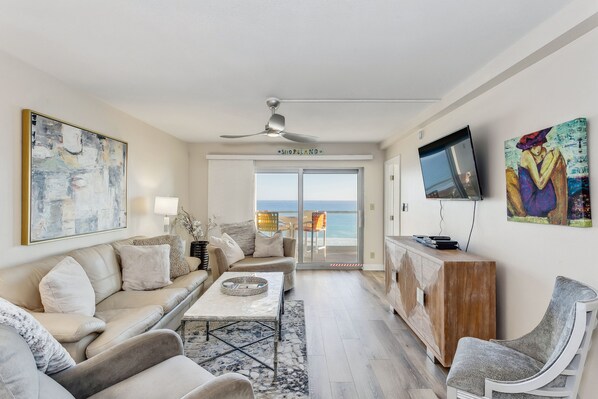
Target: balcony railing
{"x":341,"y":236}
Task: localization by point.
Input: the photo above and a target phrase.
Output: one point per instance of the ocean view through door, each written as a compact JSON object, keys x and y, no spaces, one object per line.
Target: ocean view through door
{"x":329,"y":232}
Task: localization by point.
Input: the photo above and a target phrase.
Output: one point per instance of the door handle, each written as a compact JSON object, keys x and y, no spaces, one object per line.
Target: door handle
{"x":360,"y":219}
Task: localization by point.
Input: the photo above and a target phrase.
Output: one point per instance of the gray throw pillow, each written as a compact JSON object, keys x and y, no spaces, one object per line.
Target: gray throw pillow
{"x":178,"y":263}
{"x":145,"y":267}
{"x":243,"y":233}
{"x":268,"y":246}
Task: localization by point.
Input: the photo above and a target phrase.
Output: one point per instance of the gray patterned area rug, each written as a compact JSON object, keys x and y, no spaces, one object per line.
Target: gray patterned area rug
{"x":292,"y":380}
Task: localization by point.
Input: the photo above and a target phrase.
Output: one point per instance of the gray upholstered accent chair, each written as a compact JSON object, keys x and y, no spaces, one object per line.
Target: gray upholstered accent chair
{"x":148,"y":366}
{"x":546,"y":363}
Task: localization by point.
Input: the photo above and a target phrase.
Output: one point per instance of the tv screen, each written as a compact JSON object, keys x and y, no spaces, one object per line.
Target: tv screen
{"x":449,"y":168}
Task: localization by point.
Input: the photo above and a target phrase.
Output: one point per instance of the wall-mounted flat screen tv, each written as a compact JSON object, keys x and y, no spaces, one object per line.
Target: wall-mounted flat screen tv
{"x":449,"y":168}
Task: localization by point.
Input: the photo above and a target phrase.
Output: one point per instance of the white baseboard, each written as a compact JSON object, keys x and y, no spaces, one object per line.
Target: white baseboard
{"x":373,"y":267}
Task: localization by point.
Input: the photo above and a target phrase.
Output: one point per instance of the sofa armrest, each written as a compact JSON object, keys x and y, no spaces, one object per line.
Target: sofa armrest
{"x":288,"y":246}
{"x":120,"y":362}
{"x":227,"y":386}
{"x":67,"y":327}
{"x":218,"y":261}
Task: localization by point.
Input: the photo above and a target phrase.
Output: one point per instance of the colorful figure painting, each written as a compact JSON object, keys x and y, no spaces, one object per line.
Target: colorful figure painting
{"x":547,"y":175}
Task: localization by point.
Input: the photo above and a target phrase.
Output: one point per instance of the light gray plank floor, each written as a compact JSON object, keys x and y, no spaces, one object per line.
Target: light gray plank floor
{"x":356,"y":347}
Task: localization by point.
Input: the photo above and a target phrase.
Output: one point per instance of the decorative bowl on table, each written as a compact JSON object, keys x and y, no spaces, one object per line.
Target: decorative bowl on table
{"x":244,"y":286}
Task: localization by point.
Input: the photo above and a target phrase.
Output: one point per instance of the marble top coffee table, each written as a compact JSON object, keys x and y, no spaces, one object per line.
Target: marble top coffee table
{"x":264,"y":308}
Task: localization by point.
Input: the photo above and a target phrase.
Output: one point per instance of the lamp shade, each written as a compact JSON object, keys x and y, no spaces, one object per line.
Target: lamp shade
{"x":166,"y":205}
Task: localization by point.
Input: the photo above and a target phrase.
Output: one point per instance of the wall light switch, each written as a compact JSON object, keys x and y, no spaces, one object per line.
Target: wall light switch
{"x":372,"y":207}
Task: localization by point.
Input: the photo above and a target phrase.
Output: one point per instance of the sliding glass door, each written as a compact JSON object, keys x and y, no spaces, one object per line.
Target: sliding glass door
{"x":321,"y":208}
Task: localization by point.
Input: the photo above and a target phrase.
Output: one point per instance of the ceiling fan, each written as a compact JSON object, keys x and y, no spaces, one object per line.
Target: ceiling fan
{"x":275,"y":127}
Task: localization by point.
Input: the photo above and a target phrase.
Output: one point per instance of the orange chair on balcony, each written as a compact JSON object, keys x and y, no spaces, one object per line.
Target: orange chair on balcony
{"x":267,"y":222}
{"x":316,"y":225}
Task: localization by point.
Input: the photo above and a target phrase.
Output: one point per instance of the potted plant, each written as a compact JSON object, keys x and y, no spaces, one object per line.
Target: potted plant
{"x":196,"y":230}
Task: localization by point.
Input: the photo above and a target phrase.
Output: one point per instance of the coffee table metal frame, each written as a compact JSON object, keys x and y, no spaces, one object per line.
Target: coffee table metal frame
{"x":277,"y":334}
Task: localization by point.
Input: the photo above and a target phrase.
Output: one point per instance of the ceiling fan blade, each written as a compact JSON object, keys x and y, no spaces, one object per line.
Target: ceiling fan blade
{"x":238,"y":136}
{"x":299,"y":138}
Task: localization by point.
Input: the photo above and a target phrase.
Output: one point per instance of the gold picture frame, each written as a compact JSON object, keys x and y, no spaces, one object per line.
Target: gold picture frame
{"x":74,"y":180}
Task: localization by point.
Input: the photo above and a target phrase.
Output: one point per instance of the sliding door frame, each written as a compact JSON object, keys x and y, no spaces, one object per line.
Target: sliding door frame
{"x":301,"y":171}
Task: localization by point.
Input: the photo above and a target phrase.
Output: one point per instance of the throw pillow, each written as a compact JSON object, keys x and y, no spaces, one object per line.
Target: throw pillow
{"x":50,"y":357}
{"x":243,"y":233}
{"x":145,"y":267}
{"x":178,"y":264}
{"x":232,"y":250}
{"x":268,"y":246}
{"x":67,"y":289}
{"x":193,"y":263}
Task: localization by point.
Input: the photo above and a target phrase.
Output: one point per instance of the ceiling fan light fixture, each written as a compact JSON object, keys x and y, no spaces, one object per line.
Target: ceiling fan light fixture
{"x":275,"y":127}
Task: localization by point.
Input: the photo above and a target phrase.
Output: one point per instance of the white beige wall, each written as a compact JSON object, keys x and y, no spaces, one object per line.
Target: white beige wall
{"x":561,"y":87}
{"x":158,"y":163}
{"x":373,"y":228}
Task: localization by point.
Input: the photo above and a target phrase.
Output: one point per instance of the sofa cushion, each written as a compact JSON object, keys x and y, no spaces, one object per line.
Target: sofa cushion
{"x":178,"y":264}
{"x":190,"y":281}
{"x":145,"y":267}
{"x":66,"y":289}
{"x":167,"y":298}
{"x":243,"y":233}
{"x":77,"y":349}
{"x":102,"y":268}
{"x":122,"y":324}
{"x":268,"y":246}
{"x":232,"y":250}
{"x":173,"y":378}
{"x":69,"y":327}
{"x":20,"y":284}
{"x":274,"y":264}
{"x":193,"y":263}
{"x":477,"y":360}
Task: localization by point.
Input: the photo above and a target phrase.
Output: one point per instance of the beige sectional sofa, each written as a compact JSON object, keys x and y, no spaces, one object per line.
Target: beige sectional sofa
{"x":119,"y":314}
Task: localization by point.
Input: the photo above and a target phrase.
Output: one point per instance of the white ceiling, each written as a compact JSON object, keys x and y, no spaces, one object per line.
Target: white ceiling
{"x":200,"y":68}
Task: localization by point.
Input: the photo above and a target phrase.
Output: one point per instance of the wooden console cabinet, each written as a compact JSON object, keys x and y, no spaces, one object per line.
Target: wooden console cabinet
{"x":442,"y":295}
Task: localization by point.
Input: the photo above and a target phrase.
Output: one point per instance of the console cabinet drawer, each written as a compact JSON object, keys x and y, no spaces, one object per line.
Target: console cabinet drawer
{"x":441,"y":295}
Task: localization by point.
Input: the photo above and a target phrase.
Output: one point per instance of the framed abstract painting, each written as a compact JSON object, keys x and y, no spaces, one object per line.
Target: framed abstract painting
{"x":74,"y":180}
{"x":547,"y":176}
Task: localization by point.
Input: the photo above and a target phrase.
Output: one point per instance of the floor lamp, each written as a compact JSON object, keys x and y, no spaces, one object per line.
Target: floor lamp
{"x":167,"y":206}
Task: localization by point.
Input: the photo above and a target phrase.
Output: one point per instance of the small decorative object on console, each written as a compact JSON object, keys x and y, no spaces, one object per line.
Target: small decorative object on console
{"x":438,"y":242}
{"x":244,"y":286}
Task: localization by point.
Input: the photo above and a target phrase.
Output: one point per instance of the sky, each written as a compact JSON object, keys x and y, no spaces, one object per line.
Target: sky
{"x":316,"y":187}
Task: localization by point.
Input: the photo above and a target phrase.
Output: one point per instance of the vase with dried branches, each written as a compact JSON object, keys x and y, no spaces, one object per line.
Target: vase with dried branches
{"x":195,"y":228}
